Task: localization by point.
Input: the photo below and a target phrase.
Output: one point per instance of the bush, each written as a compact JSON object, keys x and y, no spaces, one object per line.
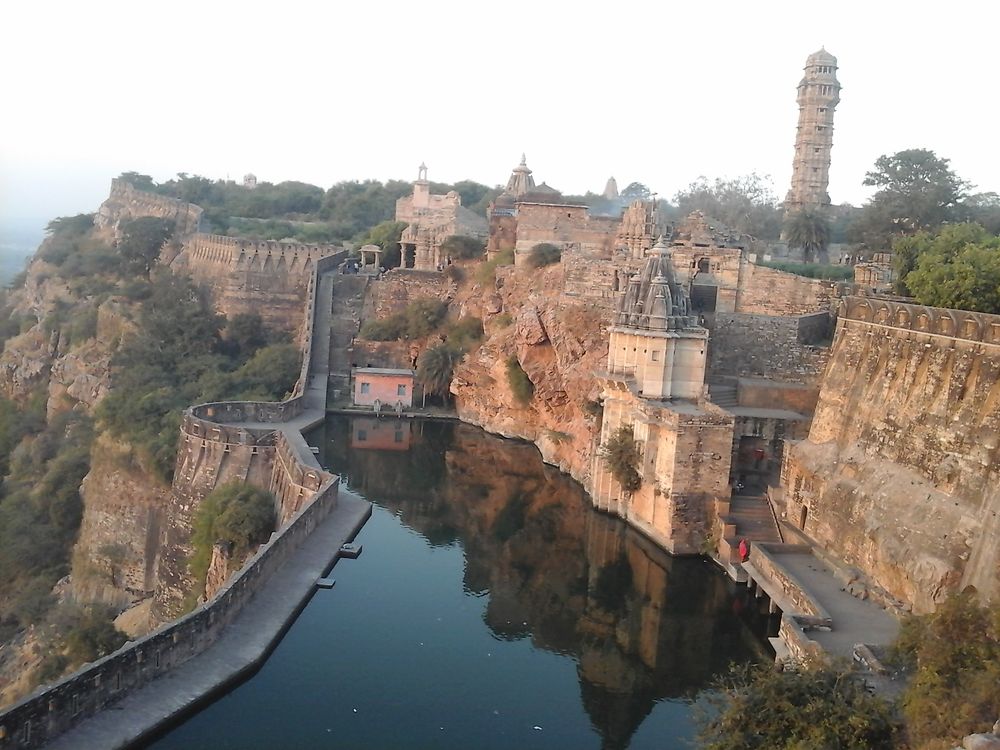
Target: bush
{"x":390,"y":329}
{"x":760,"y":707}
{"x":519,"y":382}
{"x":466,"y":332}
{"x":455,"y":273}
{"x":812,"y":270}
{"x":236,"y":514}
{"x":544,"y":254}
{"x":503,"y":320}
{"x":463,"y":248}
{"x":420,"y":318}
{"x":621,"y":456}
{"x":487,"y":271}
{"x":954,"y":655}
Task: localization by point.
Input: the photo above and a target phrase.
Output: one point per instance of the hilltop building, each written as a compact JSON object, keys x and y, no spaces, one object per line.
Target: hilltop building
{"x":431,"y":219}
{"x":818,"y":97}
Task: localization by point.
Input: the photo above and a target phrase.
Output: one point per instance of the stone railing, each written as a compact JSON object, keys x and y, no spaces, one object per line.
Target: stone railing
{"x":41,"y":717}
{"x":939,"y":321}
{"x":793,"y":598}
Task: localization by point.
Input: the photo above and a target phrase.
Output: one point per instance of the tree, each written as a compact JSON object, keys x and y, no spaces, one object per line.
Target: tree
{"x":809,"y":228}
{"x":917,"y":191}
{"x":635,"y":191}
{"x":544,"y":254}
{"x":142,"y":240}
{"x":747,"y":204}
{"x":460,"y":247}
{"x":435,"y":368}
{"x":954,"y":659}
{"x":759,"y":707}
{"x":958,"y":267}
{"x":386,"y":235}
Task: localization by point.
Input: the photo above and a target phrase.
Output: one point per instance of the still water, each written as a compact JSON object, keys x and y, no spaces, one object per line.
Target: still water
{"x":492,"y":608}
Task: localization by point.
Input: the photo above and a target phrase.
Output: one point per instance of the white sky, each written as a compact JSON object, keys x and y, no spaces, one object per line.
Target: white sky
{"x":659,"y":92}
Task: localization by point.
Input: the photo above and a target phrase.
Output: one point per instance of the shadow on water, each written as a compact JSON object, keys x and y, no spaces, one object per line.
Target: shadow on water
{"x":642,"y":629}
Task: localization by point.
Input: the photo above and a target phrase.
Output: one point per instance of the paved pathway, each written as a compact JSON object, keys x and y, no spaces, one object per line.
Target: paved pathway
{"x":854,"y":620}
{"x":241,"y":649}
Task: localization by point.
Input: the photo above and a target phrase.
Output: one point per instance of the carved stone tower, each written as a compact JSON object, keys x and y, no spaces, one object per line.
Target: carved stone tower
{"x":819,"y":95}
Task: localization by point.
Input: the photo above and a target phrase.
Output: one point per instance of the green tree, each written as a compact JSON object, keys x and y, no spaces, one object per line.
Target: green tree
{"x":635,"y":191}
{"x":809,"y":229}
{"x":958,"y":267}
{"x":141,"y":242}
{"x":747,"y":204}
{"x":435,"y":368}
{"x":460,"y":247}
{"x":917,"y":191}
{"x":519,"y":382}
{"x":386,"y":235}
{"x":760,"y":707}
{"x":621,"y":456}
{"x":954,"y":659}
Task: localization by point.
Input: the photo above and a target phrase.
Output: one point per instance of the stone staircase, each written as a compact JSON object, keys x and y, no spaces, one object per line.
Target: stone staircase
{"x":753,"y":519}
{"x":723,"y":395}
{"x":348,"y":299}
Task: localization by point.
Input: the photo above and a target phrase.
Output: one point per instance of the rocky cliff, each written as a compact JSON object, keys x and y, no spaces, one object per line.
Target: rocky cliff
{"x":559,"y":341}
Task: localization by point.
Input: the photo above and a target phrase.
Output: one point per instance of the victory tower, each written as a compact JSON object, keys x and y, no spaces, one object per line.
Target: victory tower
{"x":819,"y":95}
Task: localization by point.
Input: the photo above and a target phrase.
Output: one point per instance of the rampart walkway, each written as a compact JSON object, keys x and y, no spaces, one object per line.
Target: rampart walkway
{"x":239,"y":651}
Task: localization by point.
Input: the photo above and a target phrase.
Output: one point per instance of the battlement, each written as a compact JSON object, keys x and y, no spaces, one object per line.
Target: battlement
{"x":241,"y":253}
{"x":938,"y":321}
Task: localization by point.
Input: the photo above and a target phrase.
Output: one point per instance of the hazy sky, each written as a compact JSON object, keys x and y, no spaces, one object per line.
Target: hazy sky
{"x":659,"y":92}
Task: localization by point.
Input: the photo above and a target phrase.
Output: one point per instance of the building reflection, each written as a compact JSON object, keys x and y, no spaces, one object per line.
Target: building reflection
{"x":641,"y":625}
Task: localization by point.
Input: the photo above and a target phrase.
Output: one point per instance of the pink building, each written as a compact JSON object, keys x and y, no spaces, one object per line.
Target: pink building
{"x":385,"y":385}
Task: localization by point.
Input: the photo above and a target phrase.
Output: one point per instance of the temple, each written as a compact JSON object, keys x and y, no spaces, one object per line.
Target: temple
{"x":654,"y":387}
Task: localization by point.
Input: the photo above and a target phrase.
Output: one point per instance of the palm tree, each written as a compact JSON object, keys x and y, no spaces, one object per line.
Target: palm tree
{"x":809,"y":228}
{"x":435,"y":367}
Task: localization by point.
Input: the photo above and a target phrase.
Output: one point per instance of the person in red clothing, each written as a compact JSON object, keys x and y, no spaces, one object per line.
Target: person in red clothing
{"x":744,"y":549}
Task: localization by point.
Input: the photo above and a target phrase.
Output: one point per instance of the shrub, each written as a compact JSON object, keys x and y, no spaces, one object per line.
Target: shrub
{"x":503,"y":320}
{"x":435,"y":368}
{"x":462,"y":247}
{"x":487,"y":271}
{"x":519,"y":382}
{"x":423,"y":316}
{"x":954,"y":654}
{"x":455,"y":273}
{"x":544,"y":254}
{"x":236,"y":514}
{"x":757,"y":706}
{"x":389,"y":329}
{"x":621,"y":456}
{"x":811,"y":270}
{"x":466,"y":332}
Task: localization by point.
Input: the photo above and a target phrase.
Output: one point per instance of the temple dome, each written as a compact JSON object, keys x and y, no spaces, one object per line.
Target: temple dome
{"x":654,"y":299}
{"x":821,"y":58}
{"x":520,"y":181}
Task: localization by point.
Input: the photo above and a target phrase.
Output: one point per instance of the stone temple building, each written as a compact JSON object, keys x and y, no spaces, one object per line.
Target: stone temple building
{"x":655,"y":384}
{"x":818,"y":97}
{"x":430,"y":220}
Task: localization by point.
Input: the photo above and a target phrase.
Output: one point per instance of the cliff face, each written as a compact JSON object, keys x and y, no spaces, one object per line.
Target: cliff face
{"x":901,"y":472}
{"x":559,"y":341}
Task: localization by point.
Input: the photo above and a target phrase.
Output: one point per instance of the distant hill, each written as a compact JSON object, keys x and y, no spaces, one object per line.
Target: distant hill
{"x":19,"y":238}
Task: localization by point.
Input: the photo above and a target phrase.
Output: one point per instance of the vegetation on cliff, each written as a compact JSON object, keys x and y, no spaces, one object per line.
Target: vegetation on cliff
{"x":759,"y":707}
{"x":621,"y":456}
{"x":420,"y":318}
{"x":235,"y":514}
{"x":180,"y":356}
{"x":519,"y":382}
{"x":544,"y":254}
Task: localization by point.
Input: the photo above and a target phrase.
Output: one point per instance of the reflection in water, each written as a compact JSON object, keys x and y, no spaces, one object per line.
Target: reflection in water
{"x":493,"y":608}
{"x":641,"y":625}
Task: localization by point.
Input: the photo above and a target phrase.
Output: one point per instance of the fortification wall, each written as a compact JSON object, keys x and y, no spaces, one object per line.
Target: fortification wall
{"x":900,"y":473}
{"x":263,"y":276}
{"x":767,"y":291}
{"x":592,"y":279}
{"x":125,"y":203}
{"x":788,"y":348}
{"x":37,"y":719}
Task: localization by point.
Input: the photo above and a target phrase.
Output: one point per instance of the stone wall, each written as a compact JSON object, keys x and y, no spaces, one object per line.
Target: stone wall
{"x":767,"y":291}
{"x":563,"y":226}
{"x":594,"y":279}
{"x":255,"y":276}
{"x":900,"y":475}
{"x":789,"y":348}
{"x":40,"y":718}
{"x":125,"y":203}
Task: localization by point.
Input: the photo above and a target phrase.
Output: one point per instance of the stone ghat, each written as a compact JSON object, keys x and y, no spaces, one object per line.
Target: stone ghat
{"x":40,"y":718}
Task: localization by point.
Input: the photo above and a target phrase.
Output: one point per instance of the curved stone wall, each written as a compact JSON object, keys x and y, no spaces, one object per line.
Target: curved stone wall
{"x":125,"y":202}
{"x":957,"y":324}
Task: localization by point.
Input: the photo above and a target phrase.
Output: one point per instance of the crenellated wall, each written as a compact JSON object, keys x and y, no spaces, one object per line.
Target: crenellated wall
{"x":262,"y":276}
{"x":126,"y":202}
{"x":900,"y":474}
